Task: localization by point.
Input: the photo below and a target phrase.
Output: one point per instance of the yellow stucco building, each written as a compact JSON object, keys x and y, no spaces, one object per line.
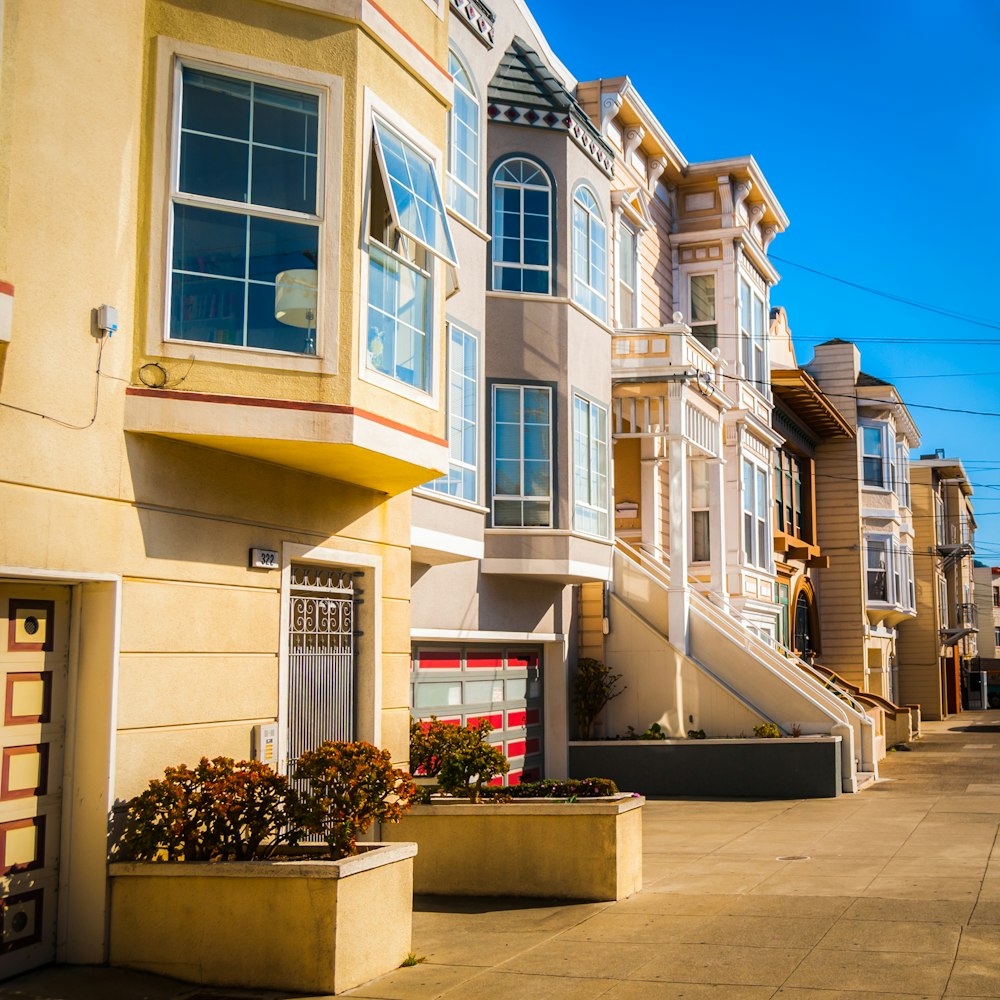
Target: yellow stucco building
{"x":223,"y":265}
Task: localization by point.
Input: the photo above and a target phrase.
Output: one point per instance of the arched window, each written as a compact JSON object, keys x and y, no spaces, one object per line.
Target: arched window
{"x":463,"y":144}
{"x":803,"y":628}
{"x":522,"y":228}
{"x":590,"y":254}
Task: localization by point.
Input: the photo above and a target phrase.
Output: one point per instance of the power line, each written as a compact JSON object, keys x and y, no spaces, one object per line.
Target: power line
{"x":938,"y":310}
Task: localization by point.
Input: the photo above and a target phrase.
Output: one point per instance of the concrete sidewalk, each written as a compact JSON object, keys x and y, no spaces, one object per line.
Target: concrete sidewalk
{"x":891,"y":893}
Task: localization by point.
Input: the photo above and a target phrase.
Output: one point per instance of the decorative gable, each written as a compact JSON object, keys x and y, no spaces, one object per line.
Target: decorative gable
{"x":526,"y":92}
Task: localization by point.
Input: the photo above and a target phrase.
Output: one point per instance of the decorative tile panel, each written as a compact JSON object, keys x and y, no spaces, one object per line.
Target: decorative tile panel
{"x":27,"y":698}
{"x":24,"y":772}
{"x":30,"y":627}
{"x":22,"y":845}
{"x":21,"y":920}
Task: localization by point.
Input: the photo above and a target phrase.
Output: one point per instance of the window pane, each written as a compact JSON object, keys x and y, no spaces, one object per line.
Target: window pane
{"x":284,"y":180}
{"x":285,"y":119}
{"x":218,"y":105}
{"x":209,"y":241}
{"x":281,"y":246}
{"x":216,"y":168}
{"x":507,"y":405}
{"x":264,"y":331}
{"x":702,"y":297}
{"x":700,"y":548}
{"x":209,"y":310}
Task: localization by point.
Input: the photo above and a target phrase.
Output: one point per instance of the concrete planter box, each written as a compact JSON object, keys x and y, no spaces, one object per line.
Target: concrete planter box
{"x":803,"y":768}
{"x":589,"y":849}
{"x":307,"y":926}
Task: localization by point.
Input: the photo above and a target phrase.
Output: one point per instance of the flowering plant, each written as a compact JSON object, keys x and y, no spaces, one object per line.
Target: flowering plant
{"x":458,"y":756}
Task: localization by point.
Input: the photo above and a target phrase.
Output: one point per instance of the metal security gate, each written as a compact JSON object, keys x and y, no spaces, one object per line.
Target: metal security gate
{"x":322,"y":649}
{"x":34,"y":650}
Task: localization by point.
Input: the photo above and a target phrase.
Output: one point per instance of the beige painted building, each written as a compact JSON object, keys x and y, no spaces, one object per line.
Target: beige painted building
{"x":938,"y":648}
{"x":201,"y":481}
{"x":865,"y":523}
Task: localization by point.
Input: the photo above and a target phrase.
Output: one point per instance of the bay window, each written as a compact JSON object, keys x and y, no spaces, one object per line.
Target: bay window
{"x":461,"y":479}
{"x":522,"y":222}
{"x":753,"y":337}
{"x":877,"y":559}
{"x":628,"y":276}
{"x":756,"y":519}
{"x":590,"y":467}
{"x":702,"y":314}
{"x":873,"y":454}
{"x":463,"y":144}
{"x":522,"y":456}
{"x":407,"y":230}
{"x":245,"y":214}
{"x":590,"y":254}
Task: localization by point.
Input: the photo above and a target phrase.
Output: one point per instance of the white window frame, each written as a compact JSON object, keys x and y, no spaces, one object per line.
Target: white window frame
{"x":588,"y":239}
{"x":754,"y":337}
{"x":453,"y":184}
{"x":632,"y":321}
{"x":442,"y":486}
{"x":699,"y":326}
{"x":885,"y":440}
{"x":499,"y":265}
{"x":756,"y":532}
{"x":903,"y":473}
{"x":521,"y":497}
{"x":375,"y":108}
{"x":885,"y":543}
{"x":597,"y":502}
{"x":700,"y":511}
{"x":171,"y":54}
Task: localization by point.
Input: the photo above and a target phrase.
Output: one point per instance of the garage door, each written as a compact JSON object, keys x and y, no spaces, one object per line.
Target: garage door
{"x":502,"y":684}
{"x":33,"y":664}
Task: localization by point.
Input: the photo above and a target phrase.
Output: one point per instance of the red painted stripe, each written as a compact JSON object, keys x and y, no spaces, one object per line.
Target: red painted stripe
{"x":496,"y":721}
{"x":515,"y":748}
{"x":515,"y":719}
{"x":484,"y":661}
{"x":282,"y":404}
{"x":6,"y":288}
{"x":411,"y":40}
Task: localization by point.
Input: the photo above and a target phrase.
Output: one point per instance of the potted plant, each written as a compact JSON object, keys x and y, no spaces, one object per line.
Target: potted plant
{"x":201,"y":889}
{"x":569,"y":840}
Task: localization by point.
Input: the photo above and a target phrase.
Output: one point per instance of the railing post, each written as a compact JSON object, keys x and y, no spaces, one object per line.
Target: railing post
{"x":678,"y":611}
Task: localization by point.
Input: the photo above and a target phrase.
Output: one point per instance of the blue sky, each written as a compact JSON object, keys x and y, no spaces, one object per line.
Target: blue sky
{"x":877,"y":125}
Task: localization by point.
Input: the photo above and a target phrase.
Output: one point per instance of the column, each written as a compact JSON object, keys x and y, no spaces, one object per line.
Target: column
{"x":717,"y":528}
{"x":680,"y":518}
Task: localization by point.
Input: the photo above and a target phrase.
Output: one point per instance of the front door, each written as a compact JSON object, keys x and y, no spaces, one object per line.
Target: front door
{"x":34,"y":649}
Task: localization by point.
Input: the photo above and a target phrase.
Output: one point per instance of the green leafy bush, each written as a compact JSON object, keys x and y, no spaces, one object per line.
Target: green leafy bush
{"x":654,"y":732}
{"x":580,"y":788}
{"x":222,"y":810}
{"x":351,"y":785}
{"x":594,"y":685}
{"x":767,"y":731}
{"x":458,"y":756}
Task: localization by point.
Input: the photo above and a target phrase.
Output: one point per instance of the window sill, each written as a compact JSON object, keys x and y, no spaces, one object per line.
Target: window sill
{"x":451,"y":501}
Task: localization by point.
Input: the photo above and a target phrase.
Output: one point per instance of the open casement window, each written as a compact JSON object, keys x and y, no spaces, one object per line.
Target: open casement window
{"x":522,"y":228}
{"x":522,"y":456}
{"x":463,"y":145}
{"x":590,"y":467}
{"x":407,"y":229}
{"x":245,"y":214}
{"x":702,"y":315}
{"x":461,"y":479}
{"x":590,"y":254}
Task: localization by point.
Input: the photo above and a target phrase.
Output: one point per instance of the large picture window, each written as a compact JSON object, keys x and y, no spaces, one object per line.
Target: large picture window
{"x":463,"y":144}
{"x":590,"y":467}
{"x":590,"y":254}
{"x":522,"y":456}
{"x":522,"y":228}
{"x":461,"y":480}
{"x":245,"y":219}
{"x":407,"y":230}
